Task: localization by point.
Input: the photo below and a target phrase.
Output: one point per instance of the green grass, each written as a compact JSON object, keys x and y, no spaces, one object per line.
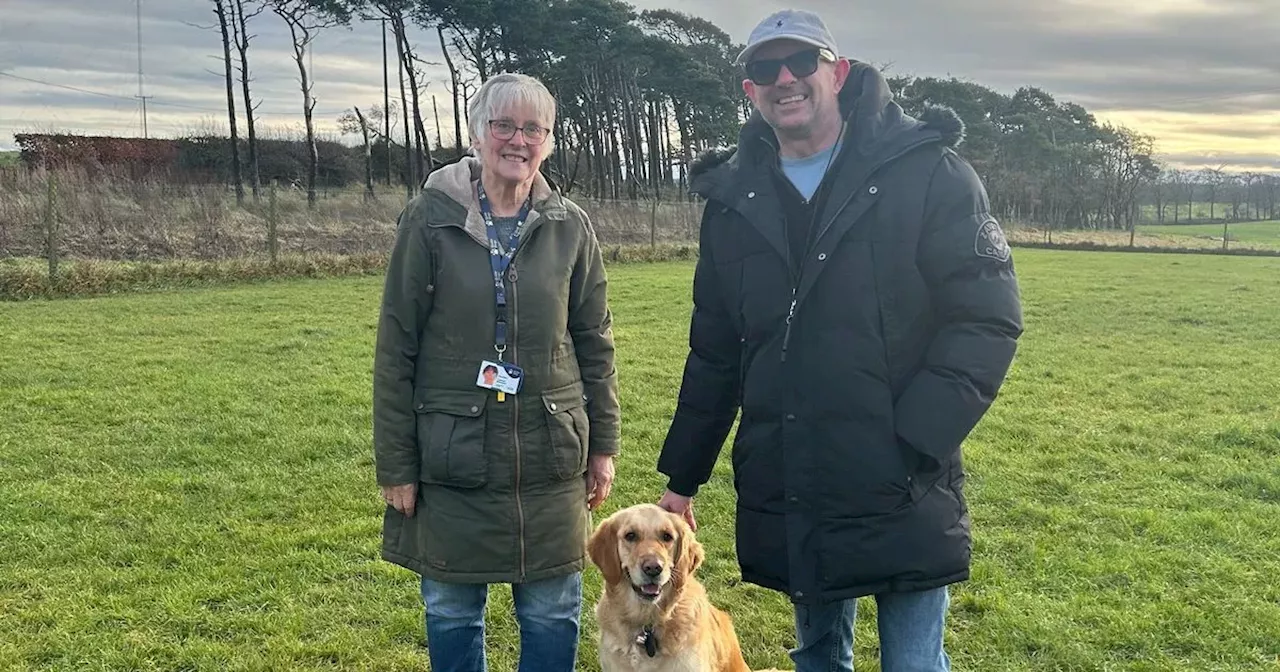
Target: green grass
{"x":10,"y":159}
{"x":1245,"y":232}
{"x":187,"y":481}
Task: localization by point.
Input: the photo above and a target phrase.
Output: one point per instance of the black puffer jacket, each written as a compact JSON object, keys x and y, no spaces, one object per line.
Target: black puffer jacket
{"x":906,"y":316}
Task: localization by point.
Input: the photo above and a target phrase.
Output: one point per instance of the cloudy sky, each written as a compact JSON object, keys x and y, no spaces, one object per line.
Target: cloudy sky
{"x":1201,"y":76}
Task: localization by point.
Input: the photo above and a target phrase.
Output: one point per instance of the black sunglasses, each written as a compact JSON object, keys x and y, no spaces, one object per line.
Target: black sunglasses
{"x":801,"y":64}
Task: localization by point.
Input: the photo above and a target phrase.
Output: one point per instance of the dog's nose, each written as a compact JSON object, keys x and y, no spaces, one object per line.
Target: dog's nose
{"x":651,"y":568}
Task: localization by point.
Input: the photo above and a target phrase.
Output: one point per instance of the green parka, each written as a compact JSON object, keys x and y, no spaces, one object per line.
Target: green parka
{"x":502,"y":493}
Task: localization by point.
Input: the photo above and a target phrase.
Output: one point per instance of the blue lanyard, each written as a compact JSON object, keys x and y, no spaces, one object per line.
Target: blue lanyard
{"x":499,"y":261}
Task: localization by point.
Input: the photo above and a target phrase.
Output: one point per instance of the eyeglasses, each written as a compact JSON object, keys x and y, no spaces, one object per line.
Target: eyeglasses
{"x":764,"y":72}
{"x":505,"y":130}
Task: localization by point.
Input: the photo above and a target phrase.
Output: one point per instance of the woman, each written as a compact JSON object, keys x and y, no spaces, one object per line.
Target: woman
{"x":495,"y":395}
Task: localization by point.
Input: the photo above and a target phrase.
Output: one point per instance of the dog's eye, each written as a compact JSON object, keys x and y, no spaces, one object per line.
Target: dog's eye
{"x":630,"y":536}
{"x":667,"y":536}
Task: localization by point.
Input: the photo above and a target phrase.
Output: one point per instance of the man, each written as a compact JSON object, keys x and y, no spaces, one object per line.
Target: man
{"x":855,"y":297}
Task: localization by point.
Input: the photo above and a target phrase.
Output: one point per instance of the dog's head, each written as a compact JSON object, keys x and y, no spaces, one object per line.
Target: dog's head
{"x":652,"y":550}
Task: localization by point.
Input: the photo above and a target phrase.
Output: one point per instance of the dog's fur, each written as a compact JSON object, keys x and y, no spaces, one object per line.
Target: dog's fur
{"x":692,"y":634}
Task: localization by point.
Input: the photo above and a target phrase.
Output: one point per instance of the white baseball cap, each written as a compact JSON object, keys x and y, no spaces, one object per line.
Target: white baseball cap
{"x":789,"y":24}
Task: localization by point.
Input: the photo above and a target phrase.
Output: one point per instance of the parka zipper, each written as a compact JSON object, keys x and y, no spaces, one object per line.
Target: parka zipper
{"x":795,"y":286}
{"x":515,"y":429}
{"x":791,"y":313}
{"x":512,"y":276}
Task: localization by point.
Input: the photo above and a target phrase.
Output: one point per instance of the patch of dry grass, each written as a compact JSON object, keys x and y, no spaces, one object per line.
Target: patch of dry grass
{"x":117,"y":218}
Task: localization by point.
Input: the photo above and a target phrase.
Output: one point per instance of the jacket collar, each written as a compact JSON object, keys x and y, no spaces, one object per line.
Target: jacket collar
{"x":453,"y":188}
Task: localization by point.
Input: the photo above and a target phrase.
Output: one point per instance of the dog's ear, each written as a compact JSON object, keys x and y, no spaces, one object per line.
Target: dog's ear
{"x":689,"y":552}
{"x":603,"y":549}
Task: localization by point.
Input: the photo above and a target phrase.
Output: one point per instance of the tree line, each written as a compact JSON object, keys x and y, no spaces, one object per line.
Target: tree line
{"x":641,"y":93}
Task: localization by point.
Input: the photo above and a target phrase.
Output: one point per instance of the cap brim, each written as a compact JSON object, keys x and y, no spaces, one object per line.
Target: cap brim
{"x":745,"y":54}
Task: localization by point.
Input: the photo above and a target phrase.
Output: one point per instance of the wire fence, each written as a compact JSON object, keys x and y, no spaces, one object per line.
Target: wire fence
{"x":69,"y":214}
{"x":78,"y":215}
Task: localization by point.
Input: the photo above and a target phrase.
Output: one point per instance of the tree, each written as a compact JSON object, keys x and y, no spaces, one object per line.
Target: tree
{"x":241,"y":37}
{"x":305,"y":18}
{"x":368,"y":156}
{"x":376,"y":123}
{"x":1212,"y":178}
{"x":395,"y":12}
{"x":220,"y":10}
{"x":453,"y":90}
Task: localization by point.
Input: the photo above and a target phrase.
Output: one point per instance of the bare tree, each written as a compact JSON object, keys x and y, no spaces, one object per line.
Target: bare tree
{"x":368,"y":157}
{"x":1212,"y":178}
{"x":453,"y":91}
{"x":386,"y":102}
{"x":305,"y":18}
{"x":410,"y":184}
{"x":241,"y":36}
{"x":219,"y":8}
{"x":394,"y":12}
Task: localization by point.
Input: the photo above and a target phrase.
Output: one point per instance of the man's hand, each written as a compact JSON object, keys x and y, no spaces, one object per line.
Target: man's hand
{"x":401,"y":497}
{"x":599,"y":479}
{"x":681,"y":505}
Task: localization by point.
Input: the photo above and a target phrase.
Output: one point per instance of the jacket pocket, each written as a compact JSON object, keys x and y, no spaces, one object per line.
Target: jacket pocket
{"x":569,"y":428}
{"x":451,"y":429}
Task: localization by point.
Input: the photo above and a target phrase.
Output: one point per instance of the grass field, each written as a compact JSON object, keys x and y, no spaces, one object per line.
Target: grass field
{"x":187,"y":478}
{"x":1244,"y":232}
{"x":10,"y":159}
{"x":1264,"y":236}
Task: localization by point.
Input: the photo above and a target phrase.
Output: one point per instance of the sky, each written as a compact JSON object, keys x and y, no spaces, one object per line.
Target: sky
{"x":1200,"y":76}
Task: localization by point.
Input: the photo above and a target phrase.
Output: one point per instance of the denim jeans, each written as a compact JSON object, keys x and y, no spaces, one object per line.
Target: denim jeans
{"x":910,"y":626}
{"x":548,"y":612}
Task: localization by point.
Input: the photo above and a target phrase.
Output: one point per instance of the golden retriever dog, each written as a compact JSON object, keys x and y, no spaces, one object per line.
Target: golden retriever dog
{"x":653,"y":614}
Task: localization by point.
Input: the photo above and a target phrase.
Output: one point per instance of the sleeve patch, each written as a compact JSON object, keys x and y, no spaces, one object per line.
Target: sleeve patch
{"x":990,"y":241}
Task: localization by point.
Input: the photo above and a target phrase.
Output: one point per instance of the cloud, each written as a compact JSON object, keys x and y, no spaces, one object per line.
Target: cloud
{"x":1207,"y":66}
{"x":85,"y":45}
{"x":1235,"y":162}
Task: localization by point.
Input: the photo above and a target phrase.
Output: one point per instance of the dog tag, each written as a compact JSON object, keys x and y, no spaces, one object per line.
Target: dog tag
{"x":648,"y":640}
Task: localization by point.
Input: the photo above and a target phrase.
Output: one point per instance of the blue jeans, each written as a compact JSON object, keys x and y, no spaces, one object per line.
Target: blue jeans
{"x":910,"y":626}
{"x":548,"y":612}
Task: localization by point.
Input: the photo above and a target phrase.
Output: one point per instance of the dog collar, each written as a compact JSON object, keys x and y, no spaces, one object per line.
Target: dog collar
{"x":649,"y":640}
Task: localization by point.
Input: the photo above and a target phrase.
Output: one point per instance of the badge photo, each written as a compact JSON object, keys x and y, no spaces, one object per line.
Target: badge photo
{"x":500,"y":376}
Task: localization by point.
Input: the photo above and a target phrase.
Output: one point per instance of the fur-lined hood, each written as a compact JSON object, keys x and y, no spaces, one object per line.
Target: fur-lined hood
{"x":456,"y":182}
{"x":877,"y":125}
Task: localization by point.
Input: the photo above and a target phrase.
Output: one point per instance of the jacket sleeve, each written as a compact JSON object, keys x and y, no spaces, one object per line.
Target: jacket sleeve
{"x":968,"y":269}
{"x":406,"y":301}
{"x":708,"y":400}
{"x":591,"y":327}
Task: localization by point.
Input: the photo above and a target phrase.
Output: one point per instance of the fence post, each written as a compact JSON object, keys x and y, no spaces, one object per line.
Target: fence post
{"x":653,"y":227}
{"x":51,"y":229}
{"x":273,"y":216}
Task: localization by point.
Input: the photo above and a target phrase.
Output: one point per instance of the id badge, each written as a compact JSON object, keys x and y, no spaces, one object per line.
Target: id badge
{"x":500,"y":376}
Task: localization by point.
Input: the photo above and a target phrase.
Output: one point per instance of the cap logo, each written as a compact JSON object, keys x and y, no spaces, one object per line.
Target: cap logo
{"x":779,"y":23}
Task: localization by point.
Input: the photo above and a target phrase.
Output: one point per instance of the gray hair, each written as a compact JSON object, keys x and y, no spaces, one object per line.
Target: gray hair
{"x":504,"y":91}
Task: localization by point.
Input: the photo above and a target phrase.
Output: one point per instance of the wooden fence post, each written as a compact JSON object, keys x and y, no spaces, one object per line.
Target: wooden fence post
{"x":273,"y":217}
{"x":653,"y":227}
{"x":51,"y":229}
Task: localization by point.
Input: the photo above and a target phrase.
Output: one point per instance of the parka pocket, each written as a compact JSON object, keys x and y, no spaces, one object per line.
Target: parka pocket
{"x":451,"y":430}
{"x":569,"y":428}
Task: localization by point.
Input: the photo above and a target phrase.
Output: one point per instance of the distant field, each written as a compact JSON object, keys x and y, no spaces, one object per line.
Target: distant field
{"x":9,"y":159}
{"x":187,"y":479}
{"x":1244,"y":235}
{"x":1245,"y":232}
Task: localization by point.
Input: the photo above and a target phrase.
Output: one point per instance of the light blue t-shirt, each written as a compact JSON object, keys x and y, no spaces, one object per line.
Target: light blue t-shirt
{"x":806,"y":173}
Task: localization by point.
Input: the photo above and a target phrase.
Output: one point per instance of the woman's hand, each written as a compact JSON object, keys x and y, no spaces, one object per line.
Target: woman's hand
{"x":401,"y":497}
{"x":599,"y":479}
